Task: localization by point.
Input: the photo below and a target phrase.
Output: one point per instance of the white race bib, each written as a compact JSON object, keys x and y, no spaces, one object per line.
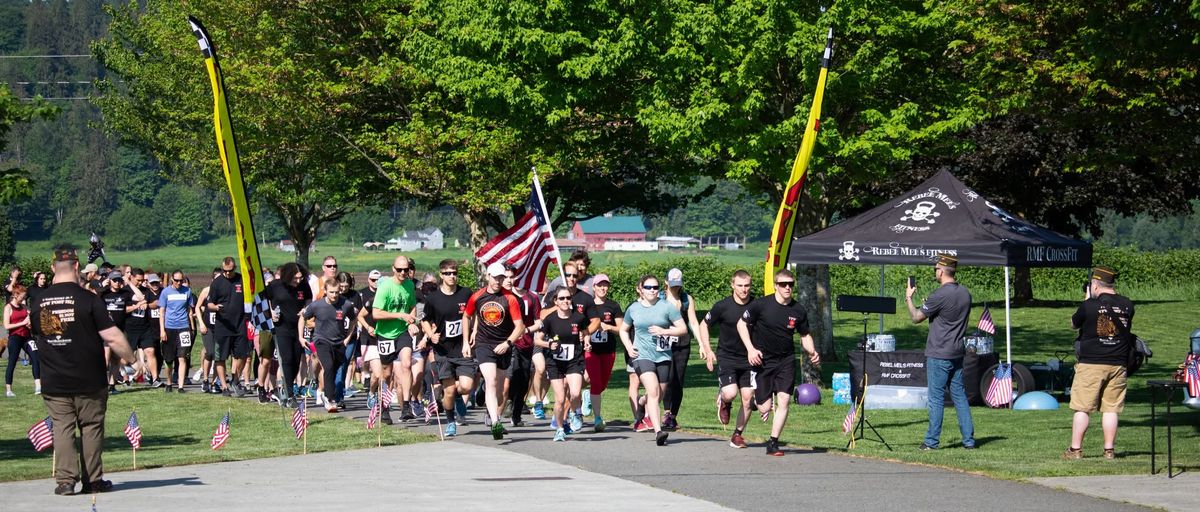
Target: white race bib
{"x":453,"y":329}
{"x":600,"y":336}
{"x":138,"y":313}
{"x":387,"y":347}
{"x":753,"y":380}
{"x":32,"y":346}
{"x":154,"y":313}
{"x":663,"y":343}
{"x":185,"y":339}
{"x":565,"y":352}
{"x":212,"y":318}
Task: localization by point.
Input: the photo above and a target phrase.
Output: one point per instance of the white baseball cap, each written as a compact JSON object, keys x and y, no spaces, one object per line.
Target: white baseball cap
{"x":374,"y":274}
{"x":674,"y":277}
{"x":496,"y":269}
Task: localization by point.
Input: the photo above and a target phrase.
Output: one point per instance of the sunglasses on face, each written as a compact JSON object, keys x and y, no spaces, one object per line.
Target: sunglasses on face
{"x":562,"y":298}
{"x":649,"y":287}
{"x":331,"y":266}
{"x":372,"y":280}
{"x":227,"y":270}
{"x":176,"y":280}
{"x":401,"y":269}
{"x":569,"y":275}
{"x":449,"y":274}
{"x":785,"y":284}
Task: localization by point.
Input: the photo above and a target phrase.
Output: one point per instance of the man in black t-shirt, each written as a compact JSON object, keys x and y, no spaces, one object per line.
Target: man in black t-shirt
{"x":733,"y":369}
{"x":1104,"y":321}
{"x":72,"y":328}
{"x":331,"y":333}
{"x":229,"y":333}
{"x":766,"y":330}
{"x":444,"y":325}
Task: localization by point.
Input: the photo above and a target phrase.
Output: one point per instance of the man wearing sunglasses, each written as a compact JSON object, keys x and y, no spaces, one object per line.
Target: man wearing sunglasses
{"x":229,"y":332}
{"x":175,"y":327}
{"x":393,"y":309}
{"x":444,"y":326}
{"x":766,"y":329}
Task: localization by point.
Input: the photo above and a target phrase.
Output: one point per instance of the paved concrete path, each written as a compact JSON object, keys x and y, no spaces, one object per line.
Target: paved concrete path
{"x":424,"y":476}
{"x":1180,"y":493}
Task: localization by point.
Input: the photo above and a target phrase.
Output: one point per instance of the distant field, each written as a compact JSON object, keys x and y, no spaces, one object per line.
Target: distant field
{"x":202,"y":258}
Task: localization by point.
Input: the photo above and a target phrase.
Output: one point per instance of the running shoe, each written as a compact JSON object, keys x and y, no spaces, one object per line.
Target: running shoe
{"x":416,"y":409}
{"x":553,"y":423}
{"x":204,"y":387}
{"x":460,"y":407}
{"x":37,"y":391}
{"x":669,"y":422}
{"x":736,"y":441}
{"x":560,"y":435}
{"x":180,"y":390}
{"x":406,"y":413}
{"x":723,"y":409}
{"x":487,"y":420}
{"x":451,"y":429}
{"x":387,"y":416}
{"x":516,"y":422}
{"x":660,"y":438}
{"x":539,"y":410}
{"x":158,"y":383}
{"x":598,"y":425}
{"x":321,"y":398}
{"x":576,"y":423}
{"x":497,"y":431}
{"x":9,"y":394}
{"x":227,"y":391}
{"x":773,"y":448}
{"x":587,"y":405}
{"x":644,"y":426}
{"x":262,"y":396}
{"x":169,"y":388}
{"x":351,"y":391}
{"x":112,"y":390}
{"x":239,"y":391}
{"x":567,"y":428}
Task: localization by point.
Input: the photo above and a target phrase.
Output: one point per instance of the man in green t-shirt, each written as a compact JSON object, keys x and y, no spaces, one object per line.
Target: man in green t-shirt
{"x":395,"y":325}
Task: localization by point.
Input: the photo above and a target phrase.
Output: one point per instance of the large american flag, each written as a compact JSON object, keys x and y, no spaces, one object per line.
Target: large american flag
{"x":300,"y":419}
{"x":851,"y":415}
{"x":528,"y":245}
{"x":133,"y":431}
{"x":222,"y":433}
{"x":41,"y":435}
{"x":999,"y":393}
{"x":985,"y":321}
{"x":1191,"y":375}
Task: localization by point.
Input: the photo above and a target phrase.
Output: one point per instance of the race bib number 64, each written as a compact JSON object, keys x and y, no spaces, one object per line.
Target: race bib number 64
{"x":662,"y":343}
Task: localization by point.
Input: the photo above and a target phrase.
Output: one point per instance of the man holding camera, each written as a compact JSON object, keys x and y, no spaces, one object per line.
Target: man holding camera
{"x":1104,"y":321}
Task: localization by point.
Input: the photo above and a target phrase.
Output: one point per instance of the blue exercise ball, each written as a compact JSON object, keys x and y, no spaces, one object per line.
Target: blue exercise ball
{"x":1035,"y":401}
{"x":808,"y":394}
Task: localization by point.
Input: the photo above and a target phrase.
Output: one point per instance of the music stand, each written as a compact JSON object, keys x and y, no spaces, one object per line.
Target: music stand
{"x":866,"y":305}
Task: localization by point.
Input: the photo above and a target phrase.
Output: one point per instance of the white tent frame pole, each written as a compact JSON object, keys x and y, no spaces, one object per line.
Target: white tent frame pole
{"x":881,"y":294}
{"x":1007,"y":321}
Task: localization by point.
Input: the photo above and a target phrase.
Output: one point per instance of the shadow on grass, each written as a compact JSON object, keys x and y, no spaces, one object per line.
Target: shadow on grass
{"x":129,"y":485}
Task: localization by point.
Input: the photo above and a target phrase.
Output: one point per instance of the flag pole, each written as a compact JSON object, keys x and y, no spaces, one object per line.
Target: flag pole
{"x":1008,"y":329}
{"x":379,"y":422}
{"x":537,"y":188}
{"x":134,"y":448}
{"x":53,"y":460}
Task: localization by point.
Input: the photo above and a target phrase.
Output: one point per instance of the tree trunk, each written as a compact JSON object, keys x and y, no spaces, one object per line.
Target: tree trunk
{"x":1022,"y":287}
{"x":477,"y":228}
{"x":812,"y":289}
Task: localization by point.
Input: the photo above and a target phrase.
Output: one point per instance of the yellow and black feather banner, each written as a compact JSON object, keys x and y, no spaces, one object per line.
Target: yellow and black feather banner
{"x":785,"y":219}
{"x":252,"y":275}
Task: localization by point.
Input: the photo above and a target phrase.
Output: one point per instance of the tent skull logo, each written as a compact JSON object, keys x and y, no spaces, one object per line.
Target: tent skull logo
{"x":922,"y":212}
{"x":848,"y":252}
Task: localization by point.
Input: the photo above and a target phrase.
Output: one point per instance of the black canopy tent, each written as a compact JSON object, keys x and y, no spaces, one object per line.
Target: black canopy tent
{"x":942,"y":216}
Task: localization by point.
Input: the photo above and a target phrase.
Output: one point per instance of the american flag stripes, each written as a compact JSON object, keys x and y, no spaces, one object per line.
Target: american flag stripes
{"x":373,"y":416}
{"x":999,"y":393}
{"x":985,"y":321}
{"x":133,"y":431}
{"x":430,"y":410}
{"x":528,"y":245}
{"x":1191,"y":375}
{"x":222,"y":433}
{"x":385,"y":396}
{"x":300,"y":419}
{"x":848,"y":422}
{"x":41,"y":435}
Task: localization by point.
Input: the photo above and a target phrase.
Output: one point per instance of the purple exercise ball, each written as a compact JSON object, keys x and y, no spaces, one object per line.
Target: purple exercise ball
{"x":808,"y":394}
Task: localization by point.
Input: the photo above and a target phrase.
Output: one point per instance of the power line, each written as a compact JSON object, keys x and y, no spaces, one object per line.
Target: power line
{"x":64,"y":56}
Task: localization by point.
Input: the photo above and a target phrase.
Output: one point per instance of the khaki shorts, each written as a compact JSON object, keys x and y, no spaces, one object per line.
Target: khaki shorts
{"x":265,"y":345}
{"x":1098,"y":387}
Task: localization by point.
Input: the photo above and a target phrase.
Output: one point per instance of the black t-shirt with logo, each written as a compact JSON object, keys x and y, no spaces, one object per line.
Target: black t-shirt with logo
{"x":228,"y":293}
{"x":566,"y":331}
{"x":116,"y":302}
{"x":290,"y":301}
{"x":66,"y":322}
{"x":605,"y":342}
{"x":139,"y":320}
{"x":494,"y":314}
{"x":772,"y":326}
{"x":731,"y":353}
{"x":1104,"y":325}
{"x":445,"y":314}
{"x":331,"y":324}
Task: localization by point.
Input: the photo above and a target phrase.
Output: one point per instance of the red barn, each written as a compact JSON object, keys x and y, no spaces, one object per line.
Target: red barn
{"x":621,"y":228}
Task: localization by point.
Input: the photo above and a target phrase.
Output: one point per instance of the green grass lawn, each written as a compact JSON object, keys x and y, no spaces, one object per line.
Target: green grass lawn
{"x":1013,"y":444}
{"x":177,"y":429}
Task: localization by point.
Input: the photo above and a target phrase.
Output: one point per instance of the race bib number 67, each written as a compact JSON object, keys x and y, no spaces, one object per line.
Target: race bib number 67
{"x":387,"y":347}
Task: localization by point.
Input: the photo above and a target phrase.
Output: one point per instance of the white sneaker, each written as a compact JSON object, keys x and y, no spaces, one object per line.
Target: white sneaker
{"x":9,"y":394}
{"x":37,"y":391}
{"x":320,"y":398}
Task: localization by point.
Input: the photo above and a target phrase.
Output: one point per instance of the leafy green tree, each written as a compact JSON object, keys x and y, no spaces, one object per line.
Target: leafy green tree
{"x":181,"y":214}
{"x":133,"y":227}
{"x":285,"y":69}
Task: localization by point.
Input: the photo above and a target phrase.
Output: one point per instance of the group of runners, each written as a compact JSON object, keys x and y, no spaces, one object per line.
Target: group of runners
{"x":433,"y":345}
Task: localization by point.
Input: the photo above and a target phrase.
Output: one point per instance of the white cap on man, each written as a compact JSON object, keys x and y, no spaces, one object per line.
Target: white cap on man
{"x":496,"y":269}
